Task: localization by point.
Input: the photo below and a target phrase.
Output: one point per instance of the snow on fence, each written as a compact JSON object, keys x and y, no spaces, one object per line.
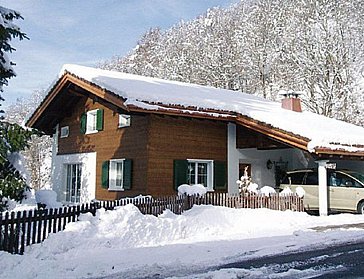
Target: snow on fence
{"x":23,"y":228}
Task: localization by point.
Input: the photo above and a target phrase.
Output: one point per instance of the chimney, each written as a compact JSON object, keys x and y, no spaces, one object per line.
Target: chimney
{"x":291,"y":101}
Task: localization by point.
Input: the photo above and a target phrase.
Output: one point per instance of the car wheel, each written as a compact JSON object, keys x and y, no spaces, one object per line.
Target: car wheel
{"x":361,"y":207}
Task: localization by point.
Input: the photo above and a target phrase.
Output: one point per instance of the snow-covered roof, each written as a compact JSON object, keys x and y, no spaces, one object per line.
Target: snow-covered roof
{"x":151,"y":93}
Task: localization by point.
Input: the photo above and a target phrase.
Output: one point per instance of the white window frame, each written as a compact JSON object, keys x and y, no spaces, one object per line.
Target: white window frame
{"x":69,"y":185}
{"x":124,"y":120}
{"x":113,"y":175}
{"x":210,"y":172}
{"x":91,"y":122}
{"x":65,"y":131}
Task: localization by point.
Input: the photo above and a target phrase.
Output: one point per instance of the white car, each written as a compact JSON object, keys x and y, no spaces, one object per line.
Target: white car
{"x":345,"y":191}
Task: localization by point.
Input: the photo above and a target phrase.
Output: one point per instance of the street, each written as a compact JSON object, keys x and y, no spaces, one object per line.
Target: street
{"x":342,"y":261}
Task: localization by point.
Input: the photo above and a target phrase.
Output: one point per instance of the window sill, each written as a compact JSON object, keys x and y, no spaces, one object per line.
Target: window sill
{"x":123,"y":126}
{"x":91,"y":132}
{"x":116,"y":190}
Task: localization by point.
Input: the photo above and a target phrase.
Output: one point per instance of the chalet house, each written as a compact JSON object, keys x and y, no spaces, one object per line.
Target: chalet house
{"x":118,"y":135}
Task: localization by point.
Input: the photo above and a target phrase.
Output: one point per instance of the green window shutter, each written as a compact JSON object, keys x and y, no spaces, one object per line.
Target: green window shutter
{"x":220,"y":175}
{"x":105,"y":175}
{"x":127,"y":175}
{"x":100,"y":120}
{"x":83,"y":121}
{"x":180,"y":168}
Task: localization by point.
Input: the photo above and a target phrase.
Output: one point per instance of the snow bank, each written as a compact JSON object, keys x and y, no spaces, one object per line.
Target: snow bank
{"x":190,"y":190}
{"x":124,"y":239}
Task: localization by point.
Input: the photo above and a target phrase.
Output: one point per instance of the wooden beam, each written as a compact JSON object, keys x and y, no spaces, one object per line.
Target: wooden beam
{"x":290,"y":139}
{"x":48,"y":99}
{"x":98,"y":91}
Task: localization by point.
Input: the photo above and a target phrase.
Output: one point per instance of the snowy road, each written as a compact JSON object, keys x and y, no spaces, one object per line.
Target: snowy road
{"x":340,"y":261}
{"x":345,"y":260}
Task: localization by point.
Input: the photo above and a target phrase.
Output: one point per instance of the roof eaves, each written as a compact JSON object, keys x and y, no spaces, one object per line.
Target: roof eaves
{"x":52,"y":92}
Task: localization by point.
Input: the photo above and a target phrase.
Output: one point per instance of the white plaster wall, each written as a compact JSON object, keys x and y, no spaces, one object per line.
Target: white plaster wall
{"x":233,"y":159}
{"x":88,"y":174}
{"x":258,"y":159}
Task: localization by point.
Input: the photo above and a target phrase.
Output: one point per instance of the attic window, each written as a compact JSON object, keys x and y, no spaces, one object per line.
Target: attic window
{"x":124,"y":120}
{"x":92,"y":121}
{"x":65,"y":131}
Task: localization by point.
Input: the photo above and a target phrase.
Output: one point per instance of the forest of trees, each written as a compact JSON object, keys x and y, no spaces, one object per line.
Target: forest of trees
{"x":314,"y":47}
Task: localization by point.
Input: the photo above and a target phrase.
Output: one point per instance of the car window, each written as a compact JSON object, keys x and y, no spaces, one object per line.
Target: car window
{"x":342,"y":180}
{"x":294,"y":178}
{"x":311,"y":178}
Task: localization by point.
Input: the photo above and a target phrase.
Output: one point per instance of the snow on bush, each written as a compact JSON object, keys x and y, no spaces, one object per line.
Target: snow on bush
{"x":190,"y":190}
{"x":300,"y":192}
{"x":18,"y":161}
{"x":253,"y":188}
{"x":267,"y":190}
{"x":47,"y":197}
{"x":286,"y":191}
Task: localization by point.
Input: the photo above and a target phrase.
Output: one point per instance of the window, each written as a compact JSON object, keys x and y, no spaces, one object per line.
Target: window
{"x":200,"y":172}
{"x":64,"y":132}
{"x":124,"y":120}
{"x":212,"y":174}
{"x":116,"y":174}
{"x":342,"y":180}
{"x":311,"y":178}
{"x":73,"y":182}
{"x":92,"y":121}
{"x":294,"y":178}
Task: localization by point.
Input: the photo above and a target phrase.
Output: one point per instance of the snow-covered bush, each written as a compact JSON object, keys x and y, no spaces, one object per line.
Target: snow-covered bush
{"x":47,"y":198}
{"x":286,"y":191}
{"x":244,"y":182}
{"x":267,"y":190}
{"x":300,"y":192}
{"x":190,"y":190}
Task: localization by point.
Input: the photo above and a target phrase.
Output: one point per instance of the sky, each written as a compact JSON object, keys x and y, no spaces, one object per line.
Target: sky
{"x":85,"y":33}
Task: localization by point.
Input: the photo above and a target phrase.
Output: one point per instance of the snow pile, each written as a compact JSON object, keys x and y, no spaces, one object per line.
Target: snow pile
{"x":267,"y":190}
{"x":300,"y":192}
{"x":139,"y":91}
{"x":47,"y":197}
{"x":286,"y":191}
{"x":253,"y":188}
{"x":124,"y":240}
{"x":190,"y":190}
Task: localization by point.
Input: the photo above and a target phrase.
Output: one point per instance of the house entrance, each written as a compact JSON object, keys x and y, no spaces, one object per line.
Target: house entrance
{"x":242,"y":167}
{"x":73,"y":182}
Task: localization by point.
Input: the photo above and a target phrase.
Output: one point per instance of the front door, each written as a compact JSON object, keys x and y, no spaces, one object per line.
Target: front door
{"x":243,"y":167}
{"x":73,"y":182}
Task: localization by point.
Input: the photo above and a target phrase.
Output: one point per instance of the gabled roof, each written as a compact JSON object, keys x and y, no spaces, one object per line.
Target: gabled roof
{"x":305,"y":130}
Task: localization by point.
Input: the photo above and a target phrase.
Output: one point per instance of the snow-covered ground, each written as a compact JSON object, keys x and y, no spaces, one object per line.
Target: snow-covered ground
{"x":127,"y":244}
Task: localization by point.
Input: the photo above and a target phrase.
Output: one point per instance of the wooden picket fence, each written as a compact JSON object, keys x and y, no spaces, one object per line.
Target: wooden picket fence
{"x":23,"y":228}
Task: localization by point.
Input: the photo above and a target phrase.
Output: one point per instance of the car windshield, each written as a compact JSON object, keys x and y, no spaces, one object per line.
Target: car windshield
{"x":356,"y":175}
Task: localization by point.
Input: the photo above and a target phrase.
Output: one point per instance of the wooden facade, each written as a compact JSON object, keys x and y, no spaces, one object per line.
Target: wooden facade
{"x":152,"y":142}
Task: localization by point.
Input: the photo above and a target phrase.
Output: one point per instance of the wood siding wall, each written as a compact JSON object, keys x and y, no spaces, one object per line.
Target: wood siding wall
{"x":152,"y":142}
{"x":111,"y":143}
{"x":172,"y":138}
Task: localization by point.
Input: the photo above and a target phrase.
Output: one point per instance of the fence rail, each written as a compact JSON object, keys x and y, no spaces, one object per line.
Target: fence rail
{"x":23,"y":228}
